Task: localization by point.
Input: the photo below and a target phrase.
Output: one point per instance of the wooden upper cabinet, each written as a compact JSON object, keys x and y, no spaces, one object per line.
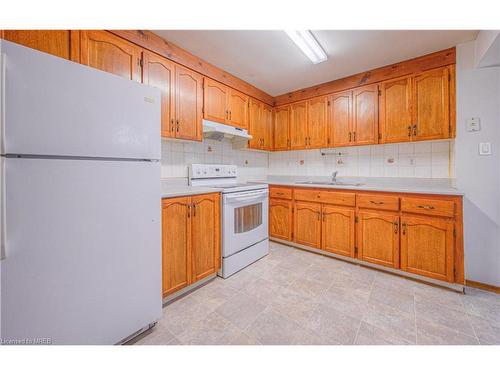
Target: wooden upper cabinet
{"x":160,"y":73}
{"x":205,"y":247}
{"x":317,"y":129}
{"x":280,"y":219}
{"x":105,"y":51}
{"x":307,"y":224}
{"x":188,"y":104}
{"x":61,"y":43}
{"x":365,"y":115}
{"x":298,"y":126}
{"x":255,"y":124}
{"x":176,"y":244}
{"x":378,"y":238}
{"x":267,"y":127}
{"x":427,"y":247}
{"x":282,"y":128}
{"x":215,"y":101}
{"x":396,"y":110}
{"x":340,"y":119}
{"x":338,"y":230}
{"x":431,"y":115}
{"x":238,"y":109}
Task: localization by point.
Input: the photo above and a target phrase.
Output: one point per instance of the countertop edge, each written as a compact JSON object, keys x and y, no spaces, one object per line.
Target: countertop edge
{"x":183,"y":191}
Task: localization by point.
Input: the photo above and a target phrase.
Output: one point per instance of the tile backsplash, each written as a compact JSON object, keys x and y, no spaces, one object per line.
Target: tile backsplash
{"x":421,"y":159}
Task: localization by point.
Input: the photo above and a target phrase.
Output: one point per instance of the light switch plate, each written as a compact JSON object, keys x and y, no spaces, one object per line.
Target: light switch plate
{"x":473,"y":124}
{"x":485,"y":148}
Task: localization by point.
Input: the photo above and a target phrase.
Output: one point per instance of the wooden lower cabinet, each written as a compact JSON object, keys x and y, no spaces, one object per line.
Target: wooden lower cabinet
{"x":190,"y":240}
{"x":280,"y":219}
{"x":307,"y":224}
{"x":176,"y":244}
{"x":378,"y":238}
{"x":337,"y":231}
{"x":205,"y":222}
{"x":427,"y":247}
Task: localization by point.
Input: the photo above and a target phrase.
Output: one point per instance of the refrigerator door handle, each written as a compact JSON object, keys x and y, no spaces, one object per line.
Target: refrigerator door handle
{"x":3,"y":221}
{"x":3,"y":78}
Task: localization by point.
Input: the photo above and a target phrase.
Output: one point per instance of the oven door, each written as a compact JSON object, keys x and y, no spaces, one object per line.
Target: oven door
{"x":245,"y":216}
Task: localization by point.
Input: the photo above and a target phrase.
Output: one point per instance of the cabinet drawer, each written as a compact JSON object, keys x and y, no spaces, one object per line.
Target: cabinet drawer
{"x":428,"y":206}
{"x":323,"y":196}
{"x":379,"y":202}
{"x":280,"y":192}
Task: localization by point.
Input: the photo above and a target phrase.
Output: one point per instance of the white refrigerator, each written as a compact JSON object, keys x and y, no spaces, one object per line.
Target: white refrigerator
{"x":80,"y":202}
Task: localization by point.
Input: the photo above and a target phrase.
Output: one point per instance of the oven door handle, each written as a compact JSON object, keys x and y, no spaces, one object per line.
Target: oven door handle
{"x":247,"y":198}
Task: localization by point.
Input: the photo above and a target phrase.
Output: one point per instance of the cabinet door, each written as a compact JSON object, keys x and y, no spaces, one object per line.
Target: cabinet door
{"x":205,"y":224}
{"x":432,"y":104}
{"x":282,"y":128}
{"x":255,"y":127}
{"x":238,"y":109}
{"x":338,"y":230}
{"x":395,"y":110}
{"x":215,"y":101}
{"x":280,"y":219}
{"x":339,"y":119}
{"x":317,"y":130}
{"x":365,"y":115}
{"x":298,"y":126}
{"x":176,"y":244}
{"x":105,"y":51}
{"x":159,"y":72}
{"x":307,"y":224}
{"x":378,"y":238}
{"x":427,"y":246}
{"x":188,"y":104}
{"x":267,"y":127}
{"x":61,"y":43}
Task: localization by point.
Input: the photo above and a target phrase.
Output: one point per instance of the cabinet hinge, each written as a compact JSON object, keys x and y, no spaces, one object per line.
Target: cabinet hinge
{"x":328,"y":103}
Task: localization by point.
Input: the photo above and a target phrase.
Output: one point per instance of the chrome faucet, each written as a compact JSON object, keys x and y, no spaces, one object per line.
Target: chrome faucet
{"x":334,"y":176}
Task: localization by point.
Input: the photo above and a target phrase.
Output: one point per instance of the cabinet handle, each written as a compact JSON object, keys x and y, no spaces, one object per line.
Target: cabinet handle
{"x":230,"y":115}
{"x":404,"y":228}
{"x":377,"y":203}
{"x":172,"y":128}
{"x":188,"y":211}
{"x":178,"y":125}
{"x":409,"y":131}
{"x":194,"y":209}
{"x":349,"y":136}
{"x":354,"y":136}
{"x":279,"y":193}
{"x":425,"y":207}
{"x":319,"y":215}
{"x":415,"y":129}
{"x":227,"y":114}
{"x":396,"y":227}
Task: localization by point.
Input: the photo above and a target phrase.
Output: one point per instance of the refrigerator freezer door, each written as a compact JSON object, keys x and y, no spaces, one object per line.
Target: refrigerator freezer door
{"x":83,"y":251}
{"x":57,"y":107}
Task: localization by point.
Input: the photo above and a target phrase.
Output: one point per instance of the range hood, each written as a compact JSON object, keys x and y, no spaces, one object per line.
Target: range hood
{"x":217,"y":131}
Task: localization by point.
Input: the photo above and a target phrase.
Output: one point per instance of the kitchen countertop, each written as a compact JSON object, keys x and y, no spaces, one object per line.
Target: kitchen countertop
{"x":181,"y":191}
{"x":440,"y":186}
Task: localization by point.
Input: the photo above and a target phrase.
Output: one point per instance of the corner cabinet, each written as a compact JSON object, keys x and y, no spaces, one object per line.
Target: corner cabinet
{"x":282,"y":128}
{"x":260,"y":125}
{"x":419,"y":234}
{"x":190,"y":240}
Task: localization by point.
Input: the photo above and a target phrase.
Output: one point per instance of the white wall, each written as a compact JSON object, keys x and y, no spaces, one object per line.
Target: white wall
{"x":478,"y":95}
{"x":422,"y":159}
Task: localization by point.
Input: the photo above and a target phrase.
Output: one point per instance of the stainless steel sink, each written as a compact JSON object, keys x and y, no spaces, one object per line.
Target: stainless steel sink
{"x":330,"y":183}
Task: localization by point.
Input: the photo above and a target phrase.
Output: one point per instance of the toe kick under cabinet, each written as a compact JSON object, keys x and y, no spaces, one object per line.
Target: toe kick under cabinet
{"x":190,"y":240}
{"x":419,"y":234}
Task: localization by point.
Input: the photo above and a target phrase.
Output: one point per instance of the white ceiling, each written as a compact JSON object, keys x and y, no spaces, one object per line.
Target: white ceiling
{"x":272,"y":62}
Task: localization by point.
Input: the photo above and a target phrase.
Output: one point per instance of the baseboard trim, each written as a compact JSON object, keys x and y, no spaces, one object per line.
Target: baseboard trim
{"x":483,"y":286}
{"x":426,"y":280}
{"x":189,"y":289}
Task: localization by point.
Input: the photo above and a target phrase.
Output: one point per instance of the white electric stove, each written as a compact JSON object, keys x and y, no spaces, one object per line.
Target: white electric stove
{"x":245,"y":235}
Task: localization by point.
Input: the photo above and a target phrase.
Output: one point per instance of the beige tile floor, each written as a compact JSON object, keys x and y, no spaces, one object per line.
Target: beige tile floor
{"x":295,"y":297}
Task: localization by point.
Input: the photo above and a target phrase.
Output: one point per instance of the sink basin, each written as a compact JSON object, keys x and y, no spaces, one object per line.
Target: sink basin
{"x":331,"y":183}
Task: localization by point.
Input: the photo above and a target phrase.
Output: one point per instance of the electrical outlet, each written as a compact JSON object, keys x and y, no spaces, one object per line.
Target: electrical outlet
{"x":485,"y":148}
{"x":473,"y":125}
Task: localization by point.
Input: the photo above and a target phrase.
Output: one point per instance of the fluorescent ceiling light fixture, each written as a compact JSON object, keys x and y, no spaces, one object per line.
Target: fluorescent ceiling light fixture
{"x":306,"y":42}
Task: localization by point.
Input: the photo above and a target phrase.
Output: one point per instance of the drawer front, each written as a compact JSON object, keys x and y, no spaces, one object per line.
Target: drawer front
{"x":280,"y":192}
{"x":428,"y":206}
{"x":378,"y":202}
{"x":322,"y":196}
